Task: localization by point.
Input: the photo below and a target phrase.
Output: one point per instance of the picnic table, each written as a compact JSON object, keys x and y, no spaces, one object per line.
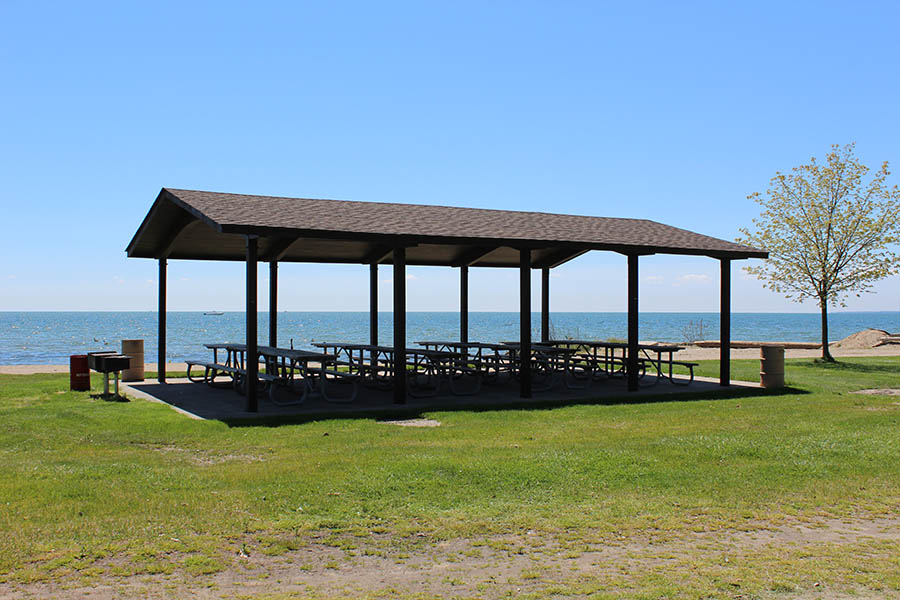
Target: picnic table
{"x":491,"y":360}
{"x":547,"y":363}
{"x":232,"y":366}
{"x":614,"y":360}
{"x":485,"y":361}
{"x":426,"y":369}
{"x":374,"y":364}
{"x":299,"y":371}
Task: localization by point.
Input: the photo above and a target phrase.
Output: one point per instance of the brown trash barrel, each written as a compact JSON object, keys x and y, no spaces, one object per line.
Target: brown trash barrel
{"x":134,"y":349}
{"x":79,"y":374}
{"x":771,"y":367}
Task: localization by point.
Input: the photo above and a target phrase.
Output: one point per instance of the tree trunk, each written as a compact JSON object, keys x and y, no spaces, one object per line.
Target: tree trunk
{"x":826,"y":352}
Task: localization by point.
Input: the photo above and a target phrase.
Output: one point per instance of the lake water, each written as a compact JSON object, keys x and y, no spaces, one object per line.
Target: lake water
{"x":50,"y":337}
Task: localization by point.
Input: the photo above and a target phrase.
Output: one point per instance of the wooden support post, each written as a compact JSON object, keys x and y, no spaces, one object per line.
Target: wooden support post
{"x":161,"y":339}
{"x":464,"y":304}
{"x":373,"y":304}
{"x":273,"y":303}
{"x":525,"y":323}
{"x":725,"y":323}
{"x":400,"y":325}
{"x":251,"y":363}
{"x":632,"y":366}
{"x":545,"y":305}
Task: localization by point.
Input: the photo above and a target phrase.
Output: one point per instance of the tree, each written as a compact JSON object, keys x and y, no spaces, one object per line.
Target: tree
{"x":829,"y":233}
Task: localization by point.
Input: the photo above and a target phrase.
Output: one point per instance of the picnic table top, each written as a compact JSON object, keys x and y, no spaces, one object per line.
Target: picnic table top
{"x":353,"y":346}
{"x":291,"y":353}
{"x":386,"y":349}
{"x":219,"y":345}
{"x":602,"y":344}
{"x":660,"y":347}
{"x":545,"y":348}
{"x":487,"y":345}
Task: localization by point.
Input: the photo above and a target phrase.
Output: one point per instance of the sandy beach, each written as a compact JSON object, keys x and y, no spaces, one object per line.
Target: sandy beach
{"x":29,"y":369}
{"x":690,"y":353}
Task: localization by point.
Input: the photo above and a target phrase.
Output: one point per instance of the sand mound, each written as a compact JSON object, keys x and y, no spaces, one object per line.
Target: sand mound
{"x":867,"y":338}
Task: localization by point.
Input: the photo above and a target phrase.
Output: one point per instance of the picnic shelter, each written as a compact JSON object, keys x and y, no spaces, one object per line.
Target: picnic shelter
{"x":199,"y":225}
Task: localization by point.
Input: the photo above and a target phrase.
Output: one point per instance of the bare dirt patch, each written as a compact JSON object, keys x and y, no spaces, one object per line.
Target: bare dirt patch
{"x":200,"y":457}
{"x":880,"y":392}
{"x":382,"y":565}
{"x":413,"y":423}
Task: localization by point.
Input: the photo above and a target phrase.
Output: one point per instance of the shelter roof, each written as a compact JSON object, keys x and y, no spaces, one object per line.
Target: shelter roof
{"x":188,"y":224}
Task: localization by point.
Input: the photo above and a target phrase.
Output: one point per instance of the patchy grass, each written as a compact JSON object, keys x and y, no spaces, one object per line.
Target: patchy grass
{"x":93,"y":490}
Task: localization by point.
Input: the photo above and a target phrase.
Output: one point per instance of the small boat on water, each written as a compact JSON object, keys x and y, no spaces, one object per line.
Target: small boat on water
{"x":214,"y":312}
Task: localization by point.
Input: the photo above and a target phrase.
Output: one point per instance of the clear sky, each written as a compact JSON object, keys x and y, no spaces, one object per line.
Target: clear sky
{"x":671,"y":111}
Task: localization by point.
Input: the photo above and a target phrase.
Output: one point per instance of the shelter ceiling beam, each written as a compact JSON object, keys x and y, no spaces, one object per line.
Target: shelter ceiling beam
{"x":554,"y":258}
{"x":470,"y":256}
{"x":278,"y":248}
{"x":378,"y":254}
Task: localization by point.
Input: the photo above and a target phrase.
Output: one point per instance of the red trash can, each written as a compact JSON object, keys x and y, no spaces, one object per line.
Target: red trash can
{"x":79,"y":374}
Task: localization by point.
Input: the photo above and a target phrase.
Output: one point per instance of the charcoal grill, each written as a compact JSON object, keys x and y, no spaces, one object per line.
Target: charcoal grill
{"x":107,"y":362}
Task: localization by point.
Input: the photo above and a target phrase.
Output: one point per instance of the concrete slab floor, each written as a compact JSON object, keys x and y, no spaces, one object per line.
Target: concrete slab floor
{"x":199,"y":400}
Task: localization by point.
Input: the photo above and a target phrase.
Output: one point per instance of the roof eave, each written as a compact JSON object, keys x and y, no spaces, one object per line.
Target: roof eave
{"x":163,"y":196}
{"x":143,"y":226}
{"x":411,"y":240}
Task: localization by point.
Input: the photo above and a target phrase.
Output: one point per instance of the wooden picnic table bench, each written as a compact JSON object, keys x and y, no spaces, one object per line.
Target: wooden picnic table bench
{"x":426,"y":369}
{"x":300,"y":371}
{"x":482,"y":361}
{"x":664,"y":366}
{"x":614,"y":360}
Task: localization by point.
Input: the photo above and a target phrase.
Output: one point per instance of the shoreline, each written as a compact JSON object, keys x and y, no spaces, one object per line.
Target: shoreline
{"x":690,"y":353}
{"x":32,"y":369}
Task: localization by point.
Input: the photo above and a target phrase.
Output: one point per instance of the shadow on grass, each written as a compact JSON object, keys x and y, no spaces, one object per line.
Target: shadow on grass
{"x":111,"y":397}
{"x":401,"y":412}
{"x":846,"y":367}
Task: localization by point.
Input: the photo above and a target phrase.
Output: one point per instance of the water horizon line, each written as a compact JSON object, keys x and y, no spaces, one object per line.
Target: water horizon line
{"x":534,"y":312}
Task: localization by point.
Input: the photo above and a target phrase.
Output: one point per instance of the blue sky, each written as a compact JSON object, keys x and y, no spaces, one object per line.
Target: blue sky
{"x":667,"y":111}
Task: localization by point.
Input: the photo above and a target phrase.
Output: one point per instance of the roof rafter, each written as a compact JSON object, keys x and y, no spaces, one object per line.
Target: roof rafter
{"x":378,"y":254}
{"x":470,"y":256}
{"x":168,"y":243}
{"x":279,"y":248}
{"x":555,"y":258}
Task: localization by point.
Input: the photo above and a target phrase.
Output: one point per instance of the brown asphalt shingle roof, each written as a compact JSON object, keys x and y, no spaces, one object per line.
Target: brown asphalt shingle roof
{"x":424,"y":224}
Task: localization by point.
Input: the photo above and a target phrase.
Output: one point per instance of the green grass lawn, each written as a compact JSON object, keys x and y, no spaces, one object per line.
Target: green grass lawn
{"x":93,"y":490}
